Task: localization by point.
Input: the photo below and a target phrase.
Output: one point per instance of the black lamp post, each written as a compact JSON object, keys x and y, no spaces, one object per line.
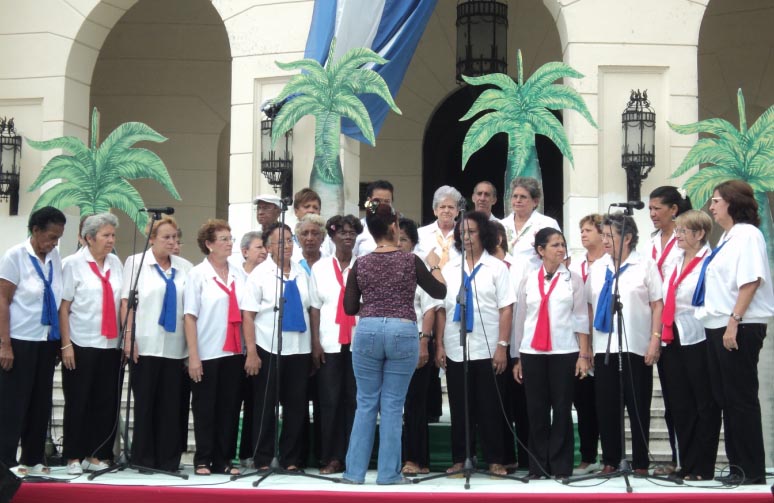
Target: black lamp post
{"x":276,"y":165}
{"x":638,"y":147}
{"x":10,"y":153}
{"x":482,"y":36}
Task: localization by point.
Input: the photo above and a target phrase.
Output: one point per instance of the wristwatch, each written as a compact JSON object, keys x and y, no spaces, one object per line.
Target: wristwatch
{"x":737,"y":317}
{"x":504,"y":344}
{"x":423,"y":335}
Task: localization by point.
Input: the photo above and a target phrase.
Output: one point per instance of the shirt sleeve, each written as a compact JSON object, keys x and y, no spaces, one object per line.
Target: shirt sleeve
{"x":519,"y":317}
{"x":68,"y":280}
{"x":580,"y":310}
{"x":352,"y":293}
{"x":506,"y":293}
{"x":653,"y":278}
{"x":192,"y":295}
{"x":253,"y":293}
{"x":750,"y":265}
{"x":9,"y":269}
{"x":126,"y":284}
{"x":315,"y":299}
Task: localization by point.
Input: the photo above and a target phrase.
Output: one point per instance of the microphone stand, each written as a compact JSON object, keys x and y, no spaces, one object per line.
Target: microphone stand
{"x":468,"y":468}
{"x":616,"y":309}
{"x":125,"y":459}
{"x":275,"y":468}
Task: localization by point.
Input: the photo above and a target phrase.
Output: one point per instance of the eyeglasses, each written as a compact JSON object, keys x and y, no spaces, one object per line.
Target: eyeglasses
{"x":225,"y":239}
{"x":347,"y":234}
{"x":267,"y":207}
{"x":716,"y":199}
{"x":683,"y":231}
{"x":288,"y":242}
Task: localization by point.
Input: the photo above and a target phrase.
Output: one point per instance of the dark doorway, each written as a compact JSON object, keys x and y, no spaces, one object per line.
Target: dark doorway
{"x":442,"y":158}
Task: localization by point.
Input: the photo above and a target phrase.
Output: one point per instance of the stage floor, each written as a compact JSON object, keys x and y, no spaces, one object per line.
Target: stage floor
{"x":130,"y":486}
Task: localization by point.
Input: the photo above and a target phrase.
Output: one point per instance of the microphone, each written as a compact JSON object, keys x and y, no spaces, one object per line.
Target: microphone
{"x":169,"y":210}
{"x":637,"y":205}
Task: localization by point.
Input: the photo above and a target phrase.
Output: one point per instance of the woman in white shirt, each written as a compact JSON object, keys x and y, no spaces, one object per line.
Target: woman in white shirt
{"x":640,"y":295}
{"x":552,"y":326}
{"x":310,"y":233}
{"x":30,"y":293}
{"x":261,"y":340}
{"x":438,"y":236}
{"x":332,"y":331}
{"x":489,"y":315}
{"x":213,"y":323}
{"x":684,"y":361}
{"x":159,"y":352}
{"x":525,"y":220}
{"x":91,"y":289}
{"x":737,"y":304}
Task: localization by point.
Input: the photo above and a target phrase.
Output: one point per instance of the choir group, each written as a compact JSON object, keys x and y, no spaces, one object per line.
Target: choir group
{"x":372,"y":313}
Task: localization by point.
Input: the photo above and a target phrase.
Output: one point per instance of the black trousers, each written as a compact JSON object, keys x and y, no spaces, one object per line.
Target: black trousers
{"x":336,"y":393}
{"x":484,"y":410}
{"x":294,"y":375}
{"x":549,"y":385}
{"x":696,"y":416}
{"x":668,"y":420}
{"x":734,"y":381}
{"x":25,"y":395}
{"x":638,"y":390}
{"x":185,"y":408}
{"x":246,"y":444}
{"x":157,"y":384}
{"x":416,"y":433}
{"x":215,"y":404}
{"x":585,"y":404}
{"x":91,"y":403}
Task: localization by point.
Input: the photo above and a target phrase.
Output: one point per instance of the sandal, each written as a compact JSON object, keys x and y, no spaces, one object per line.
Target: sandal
{"x":410,"y":469}
{"x":497,"y":469}
{"x":293,"y":469}
{"x":693,"y":478}
{"x":231,"y":470}
{"x":38,"y":469}
{"x":334,"y":466}
{"x":455,"y":471}
{"x":202,"y":470}
{"x":665,"y":469}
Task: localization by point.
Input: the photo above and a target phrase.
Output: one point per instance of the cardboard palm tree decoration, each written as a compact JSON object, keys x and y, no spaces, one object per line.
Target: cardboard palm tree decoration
{"x":330,"y":93}
{"x":94,"y":178}
{"x":520,"y":110}
{"x":744,"y":154}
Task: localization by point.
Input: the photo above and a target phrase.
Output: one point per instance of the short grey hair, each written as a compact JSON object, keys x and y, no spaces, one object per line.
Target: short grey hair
{"x":445,"y":191}
{"x":312,"y":218}
{"x":94,"y":223}
{"x":248,"y":238}
{"x":529,"y":184}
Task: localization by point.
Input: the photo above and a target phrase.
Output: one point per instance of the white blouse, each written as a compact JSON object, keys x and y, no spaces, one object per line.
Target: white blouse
{"x":84,"y":289}
{"x":364,"y":243}
{"x":260,"y":294}
{"x":27,"y":304}
{"x":743,"y":260}
{"x":639,"y":285}
{"x":205,"y":300}
{"x":492,"y":291}
{"x":324,"y":295}
{"x":522,"y":244}
{"x":690,"y":329}
{"x":430,"y":239}
{"x":152,"y":339}
{"x":656,"y":252}
{"x":567,"y":313}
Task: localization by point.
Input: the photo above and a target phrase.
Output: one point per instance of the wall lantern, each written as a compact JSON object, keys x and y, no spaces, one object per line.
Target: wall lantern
{"x":638,"y":148}
{"x":10,"y":153}
{"x":482,"y":37}
{"x":276,"y":165}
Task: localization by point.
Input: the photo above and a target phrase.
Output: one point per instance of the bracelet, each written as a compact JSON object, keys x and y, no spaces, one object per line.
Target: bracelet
{"x":737,"y":317}
{"x":585,"y":357}
{"x":504,"y":344}
{"x":657,"y":335}
{"x":65,"y":347}
{"x":435,"y":268}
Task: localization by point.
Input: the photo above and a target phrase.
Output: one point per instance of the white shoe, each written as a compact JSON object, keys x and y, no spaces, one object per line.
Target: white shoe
{"x":88,"y":466}
{"x":584,"y":468}
{"x":74,"y":468}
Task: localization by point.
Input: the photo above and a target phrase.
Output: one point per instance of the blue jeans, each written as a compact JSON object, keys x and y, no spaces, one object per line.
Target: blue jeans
{"x":385,"y":352}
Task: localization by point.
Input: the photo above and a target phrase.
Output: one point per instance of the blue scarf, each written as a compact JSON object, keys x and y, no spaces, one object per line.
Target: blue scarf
{"x":468,"y":300}
{"x":50,"y":314}
{"x":698,"y":294}
{"x":168,"y":318}
{"x":603,"y":317}
{"x":293,"y":316}
{"x":303,"y":263}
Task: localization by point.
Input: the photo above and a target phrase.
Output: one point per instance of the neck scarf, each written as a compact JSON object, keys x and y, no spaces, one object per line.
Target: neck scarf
{"x":660,"y":263}
{"x":168,"y":318}
{"x":343,"y":320}
{"x":698,"y":294}
{"x":603,"y":318}
{"x":468,"y":300}
{"x":50,"y":314}
{"x":444,"y":244}
{"x":233,"y":342}
{"x":303,"y":263}
{"x":541,"y":340}
{"x":109,"y":325}
{"x":670,"y":301}
{"x":293,"y":315}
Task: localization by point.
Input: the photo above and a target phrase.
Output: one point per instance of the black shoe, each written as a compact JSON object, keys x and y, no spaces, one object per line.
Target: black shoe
{"x":731,"y":479}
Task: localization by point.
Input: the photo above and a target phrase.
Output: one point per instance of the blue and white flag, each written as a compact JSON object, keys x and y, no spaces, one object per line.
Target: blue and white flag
{"x":391,"y":28}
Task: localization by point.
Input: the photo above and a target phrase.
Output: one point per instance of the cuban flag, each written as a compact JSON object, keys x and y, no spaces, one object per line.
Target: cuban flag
{"x":391,"y":28}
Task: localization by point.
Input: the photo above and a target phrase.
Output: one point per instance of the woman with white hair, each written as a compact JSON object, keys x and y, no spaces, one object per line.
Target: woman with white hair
{"x":310,"y":232}
{"x":439,"y":236}
{"x":525,"y":220}
{"x":91,"y":286}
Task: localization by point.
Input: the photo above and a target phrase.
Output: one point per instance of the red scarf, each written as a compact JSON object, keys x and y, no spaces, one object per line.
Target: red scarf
{"x":664,"y":255}
{"x":670,"y":301}
{"x":233,"y":343}
{"x":584,"y":273}
{"x":343,"y":320}
{"x":109,"y":325}
{"x":541,"y":341}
